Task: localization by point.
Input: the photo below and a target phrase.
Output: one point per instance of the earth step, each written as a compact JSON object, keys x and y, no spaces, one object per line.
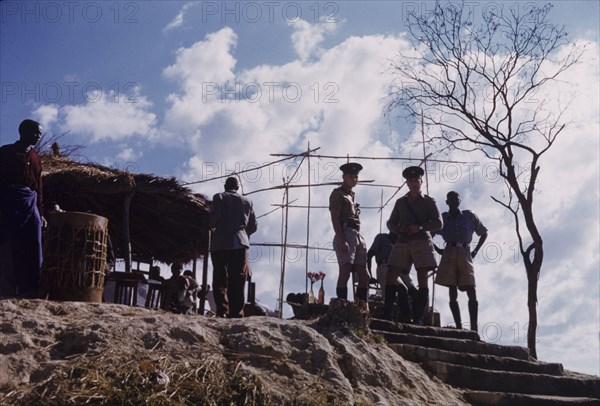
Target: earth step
{"x":417,"y":353}
{"x":516,"y":382}
{"x":385,"y":325}
{"x":478,"y":398}
{"x":456,"y":345}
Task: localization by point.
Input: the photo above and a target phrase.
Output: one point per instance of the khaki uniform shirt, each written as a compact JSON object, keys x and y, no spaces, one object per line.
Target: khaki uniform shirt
{"x":343,"y":201}
{"x":421,"y":211}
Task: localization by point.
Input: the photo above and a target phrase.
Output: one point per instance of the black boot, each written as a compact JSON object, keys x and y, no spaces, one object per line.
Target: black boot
{"x":388,"y":302}
{"x":412,"y":300}
{"x":361,"y":294}
{"x":403,"y":306}
{"x":342,"y":293}
{"x":420,"y":305}
{"x":412,"y":292}
{"x":473,"y":309}
{"x":455,"y":309}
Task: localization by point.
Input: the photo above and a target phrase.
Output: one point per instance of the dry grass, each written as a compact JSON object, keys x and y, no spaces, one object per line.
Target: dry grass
{"x":127,"y":379}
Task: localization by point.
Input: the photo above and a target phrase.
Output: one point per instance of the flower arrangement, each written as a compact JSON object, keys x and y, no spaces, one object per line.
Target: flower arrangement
{"x":314,"y":277}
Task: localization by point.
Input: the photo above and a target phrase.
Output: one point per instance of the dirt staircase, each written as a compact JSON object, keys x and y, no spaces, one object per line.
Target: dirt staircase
{"x":488,"y":374}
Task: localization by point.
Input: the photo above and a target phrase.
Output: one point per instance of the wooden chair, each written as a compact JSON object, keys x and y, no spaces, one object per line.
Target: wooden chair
{"x":373,"y":289}
{"x":126,"y":292}
{"x":154,"y":296}
{"x":126,"y":287}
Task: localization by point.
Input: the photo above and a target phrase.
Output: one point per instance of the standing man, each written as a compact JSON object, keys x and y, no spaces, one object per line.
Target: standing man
{"x":456,"y":266}
{"x":233,"y":220}
{"x":21,"y":206}
{"x":349,"y":245}
{"x":414,"y":217}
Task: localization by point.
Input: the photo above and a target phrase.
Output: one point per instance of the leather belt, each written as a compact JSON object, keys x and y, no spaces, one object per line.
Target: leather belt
{"x":458,"y":244}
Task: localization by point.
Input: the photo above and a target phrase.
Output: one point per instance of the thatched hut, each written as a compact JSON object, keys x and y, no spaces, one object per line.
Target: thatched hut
{"x":163,"y":220}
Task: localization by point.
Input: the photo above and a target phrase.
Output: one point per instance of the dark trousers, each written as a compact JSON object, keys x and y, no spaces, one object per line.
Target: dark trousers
{"x":229,"y":278}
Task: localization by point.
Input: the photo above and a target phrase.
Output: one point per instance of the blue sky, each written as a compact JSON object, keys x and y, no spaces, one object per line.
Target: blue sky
{"x":151,"y":86}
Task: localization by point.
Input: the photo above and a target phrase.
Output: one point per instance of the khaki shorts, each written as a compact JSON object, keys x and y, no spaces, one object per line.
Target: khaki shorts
{"x":357,"y":249}
{"x":456,"y":268}
{"x":405,"y":254}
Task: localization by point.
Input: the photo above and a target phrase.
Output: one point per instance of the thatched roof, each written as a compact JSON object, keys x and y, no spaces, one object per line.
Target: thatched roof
{"x":167,"y":221}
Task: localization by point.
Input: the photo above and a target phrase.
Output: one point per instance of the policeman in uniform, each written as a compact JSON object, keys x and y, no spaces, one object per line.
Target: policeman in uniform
{"x":349,"y":245}
{"x":414,"y":217}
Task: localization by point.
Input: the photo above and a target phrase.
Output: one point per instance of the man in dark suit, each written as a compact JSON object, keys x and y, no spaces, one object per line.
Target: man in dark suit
{"x":233,"y":220}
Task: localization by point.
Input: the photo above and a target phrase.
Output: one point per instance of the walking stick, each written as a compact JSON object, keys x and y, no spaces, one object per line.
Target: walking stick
{"x":432,"y":320}
{"x":204,"y":289}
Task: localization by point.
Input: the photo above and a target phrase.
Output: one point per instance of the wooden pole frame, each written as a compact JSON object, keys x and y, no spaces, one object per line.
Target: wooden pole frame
{"x":286,"y":204}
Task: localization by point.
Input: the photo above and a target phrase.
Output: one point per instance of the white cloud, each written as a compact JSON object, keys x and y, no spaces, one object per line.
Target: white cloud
{"x":177,"y":21}
{"x":128,"y":154}
{"x":104,"y":117}
{"x":307,"y":37}
{"x":209,"y":60}
{"x":201,"y":70}
{"x":108,"y":116}
{"x":276,"y":105}
{"x":46,"y":115}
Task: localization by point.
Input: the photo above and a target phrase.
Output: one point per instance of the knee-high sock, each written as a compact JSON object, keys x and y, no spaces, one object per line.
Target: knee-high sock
{"x":362,"y":293}
{"x":403,"y":305}
{"x":388,"y":303}
{"x":342,"y":293}
{"x":421,"y":305}
{"x":473,"y":310}
{"x":455,"y":309}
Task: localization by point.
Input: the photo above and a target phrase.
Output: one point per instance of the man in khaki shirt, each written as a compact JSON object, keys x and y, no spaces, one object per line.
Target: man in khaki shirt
{"x":414,"y":217}
{"x":349,"y":245}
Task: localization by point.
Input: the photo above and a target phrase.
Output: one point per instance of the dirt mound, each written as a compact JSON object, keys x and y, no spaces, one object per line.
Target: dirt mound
{"x":74,"y":353}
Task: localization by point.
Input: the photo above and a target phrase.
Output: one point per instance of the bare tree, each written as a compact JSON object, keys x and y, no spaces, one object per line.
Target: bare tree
{"x":478,"y":87}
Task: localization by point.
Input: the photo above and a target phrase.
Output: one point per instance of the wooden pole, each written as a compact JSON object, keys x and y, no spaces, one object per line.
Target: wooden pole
{"x":307,"y":220}
{"x":283,"y":251}
{"x":431,"y":321}
{"x":126,"y":235}
{"x":381,"y":212}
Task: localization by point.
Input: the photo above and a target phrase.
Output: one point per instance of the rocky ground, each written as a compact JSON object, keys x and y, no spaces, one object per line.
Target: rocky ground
{"x":83,"y":353}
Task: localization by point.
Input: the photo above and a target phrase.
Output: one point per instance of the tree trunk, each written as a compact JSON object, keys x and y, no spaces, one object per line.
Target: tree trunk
{"x":533,"y":256}
{"x":532,"y":284}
